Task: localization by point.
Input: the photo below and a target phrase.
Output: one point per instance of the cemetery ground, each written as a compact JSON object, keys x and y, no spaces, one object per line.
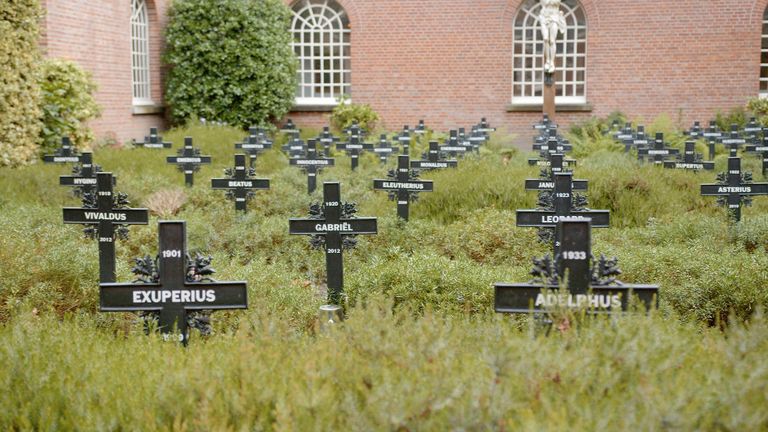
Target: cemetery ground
{"x":421,"y":348}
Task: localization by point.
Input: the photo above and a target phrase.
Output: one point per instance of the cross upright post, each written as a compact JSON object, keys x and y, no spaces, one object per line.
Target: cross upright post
{"x":734,"y":188}
{"x":332,"y":223}
{"x":104,"y":213}
{"x":404,"y":186}
{"x":188,"y":161}
{"x":174,"y":290}
{"x":713,"y":135}
{"x":312,"y":163}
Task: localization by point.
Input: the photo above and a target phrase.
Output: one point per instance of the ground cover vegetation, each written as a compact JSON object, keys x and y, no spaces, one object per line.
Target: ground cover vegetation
{"x":421,"y":348}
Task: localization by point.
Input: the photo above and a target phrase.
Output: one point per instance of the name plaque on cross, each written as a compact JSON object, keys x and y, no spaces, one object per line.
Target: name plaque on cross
{"x":172,"y":294}
{"x":591,"y":283}
{"x":404,"y":185}
{"x":240,"y":183}
{"x":312,"y":164}
{"x":188,"y":161}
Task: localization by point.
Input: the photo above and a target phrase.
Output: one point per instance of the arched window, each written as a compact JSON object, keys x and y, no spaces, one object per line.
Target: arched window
{"x":321,"y":43}
{"x":528,"y":56}
{"x":764,"y":57}
{"x":140,"y":52}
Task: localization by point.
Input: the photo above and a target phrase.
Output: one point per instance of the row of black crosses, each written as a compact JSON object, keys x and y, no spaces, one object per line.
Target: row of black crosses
{"x":734,"y":188}
{"x":564,"y":219}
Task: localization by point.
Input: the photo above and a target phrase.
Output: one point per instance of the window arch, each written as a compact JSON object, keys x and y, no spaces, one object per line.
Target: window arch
{"x":321,"y":36}
{"x":140,"y":53}
{"x":764,"y":57}
{"x":528,"y":56}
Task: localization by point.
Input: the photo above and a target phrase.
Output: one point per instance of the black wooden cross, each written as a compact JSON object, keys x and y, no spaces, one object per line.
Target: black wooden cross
{"x":83,"y":177}
{"x":752,"y":129}
{"x":173,"y":288}
{"x":64,"y":154}
{"x":713,"y":135}
{"x":420,"y":129}
{"x":403,"y":185}
{"x":255,"y":143}
{"x":405,"y":140}
{"x":105,"y":215}
{"x":591,"y":282}
{"x":734,"y":188}
{"x":295,"y":146}
{"x":153,"y":141}
{"x":544,"y":124}
{"x":477,"y":138}
{"x":625,"y":134}
{"x":240,"y":183}
{"x":330,"y":226}
{"x":553,"y":162}
{"x":312,"y":163}
{"x":289,"y":128}
{"x":638,"y":141}
{"x":355,"y":146}
{"x":452,"y":146}
{"x":761,"y":149}
{"x":188,"y":161}
{"x":691,"y":160}
{"x":484,"y":127}
{"x":433,"y":159}
{"x":734,"y":140}
{"x":553,"y":144}
{"x":384,"y":150}
{"x":658,"y":152}
{"x":560,"y":204}
{"x":547,"y":182}
{"x":327,"y":140}
{"x":695,"y":132}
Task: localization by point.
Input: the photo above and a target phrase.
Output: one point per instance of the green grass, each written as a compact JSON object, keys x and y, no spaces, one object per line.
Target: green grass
{"x":422,"y":348}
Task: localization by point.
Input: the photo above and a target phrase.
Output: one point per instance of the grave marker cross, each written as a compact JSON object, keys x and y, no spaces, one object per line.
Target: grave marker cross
{"x":734,"y":188}
{"x":354,"y":146}
{"x":312,"y":163}
{"x":433,"y":159}
{"x":188,"y":161}
{"x":657,"y":154}
{"x":153,"y":141}
{"x":733,"y":141}
{"x":591,"y":282}
{"x":691,"y":160}
{"x":713,"y":135}
{"x":64,"y":154}
{"x":240,"y":183}
{"x":84,"y":175}
{"x":384,"y":150}
{"x":761,"y":149}
{"x":171,"y":292}
{"x":330,"y":224}
{"x":404,"y":185}
{"x":255,"y":143}
{"x":103,"y":211}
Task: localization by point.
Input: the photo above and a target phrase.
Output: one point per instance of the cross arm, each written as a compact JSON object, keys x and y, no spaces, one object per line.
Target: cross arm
{"x":117,"y":297}
{"x":132,"y":216}
{"x":535,"y":298}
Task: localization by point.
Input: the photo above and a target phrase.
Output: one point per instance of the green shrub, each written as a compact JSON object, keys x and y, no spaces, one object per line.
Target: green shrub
{"x":759,"y":108}
{"x":231,"y":61}
{"x":344,"y":114}
{"x":68,"y":103}
{"x":737,"y":116}
{"x":19,"y":93}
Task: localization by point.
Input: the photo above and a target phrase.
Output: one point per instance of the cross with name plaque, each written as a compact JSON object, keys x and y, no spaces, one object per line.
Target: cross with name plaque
{"x":761,"y":149}
{"x":295,"y":146}
{"x":544,"y":124}
{"x":355,"y":146}
{"x":734,"y":188}
{"x":591,"y":283}
{"x":405,"y":140}
{"x":658,"y":152}
{"x":240,"y":183}
{"x":691,"y":160}
{"x":485,"y":127}
{"x":255,"y":143}
{"x":83,"y":177}
{"x":433,"y":159}
{"x":403,"y":185}
{"x":327,"y":139}
{"x":105,"y":214}
{"x":627,"y":133}
{"x":734,"y":140}
{"x":452,"y":146}
{"x":384,"y":150}
{"x":713,"y":135}
{"x":638,"y":141}
{"x":553,"y":144}
{"x":477,"y":138}
{"x":553,"y":162}
{"x":169,"y":289}
{"x":289,"y":128}
{"x":695,"y":132}
{"x":64,"y":154}
{"x":420,"y":129}
{"x":331,"y":225}
{"x":188,"y":161}
{"x":560,"y":204}
{"x":752,"y":128}
{"x":312,"y":163}
{"x":153,"y":141}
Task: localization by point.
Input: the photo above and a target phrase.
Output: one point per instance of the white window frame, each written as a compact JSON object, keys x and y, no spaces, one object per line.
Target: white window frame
{"x":141,"y":86}
{"x":321,"y":42}
{"x":763,"y":51}
{"x":528,"y":53}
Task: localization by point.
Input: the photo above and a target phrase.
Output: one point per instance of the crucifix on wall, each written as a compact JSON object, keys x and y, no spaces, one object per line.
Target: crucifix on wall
{"x":552,"y":23}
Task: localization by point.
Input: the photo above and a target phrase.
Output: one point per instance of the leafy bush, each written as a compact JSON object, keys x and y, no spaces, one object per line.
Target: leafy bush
{"x":68,"y":103}
{"x":759,"y":108}
{"x":737,"y":116}
{"x":231,"y":61}
{"x":19,"y":92}
{"x":344,"y":114}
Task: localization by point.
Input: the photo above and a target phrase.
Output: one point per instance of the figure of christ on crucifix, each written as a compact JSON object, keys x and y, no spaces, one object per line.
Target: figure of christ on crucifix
{"x":552,"y":23}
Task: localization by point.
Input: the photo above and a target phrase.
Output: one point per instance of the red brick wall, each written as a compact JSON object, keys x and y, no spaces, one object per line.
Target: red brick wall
{"x":97,"y":36}
{"x":449,"y":61}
